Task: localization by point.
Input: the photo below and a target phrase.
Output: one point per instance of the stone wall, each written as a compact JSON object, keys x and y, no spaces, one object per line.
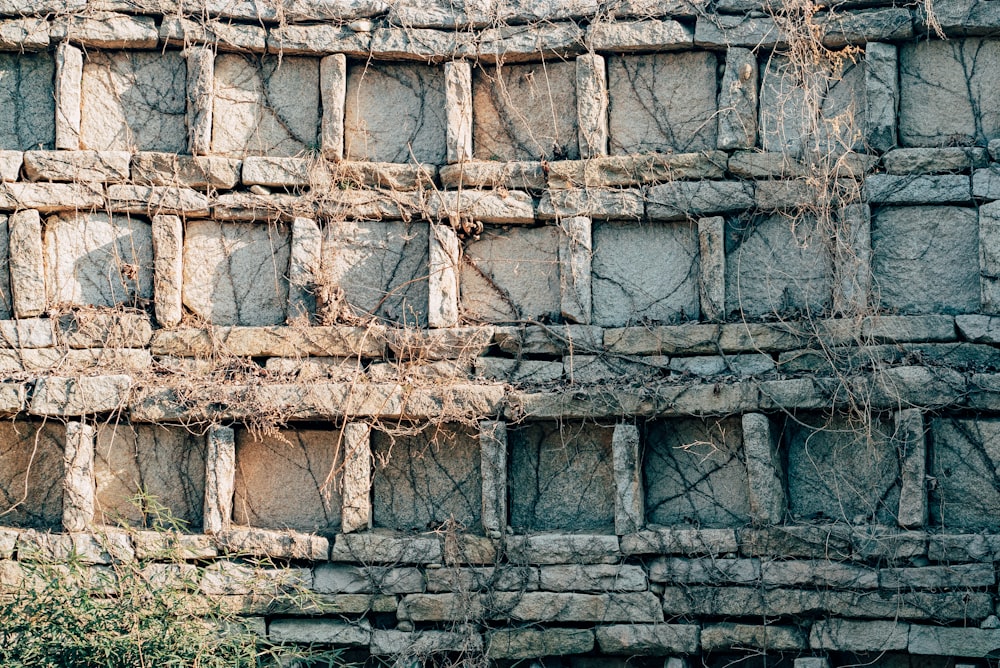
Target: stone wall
{"x":566,"y":331}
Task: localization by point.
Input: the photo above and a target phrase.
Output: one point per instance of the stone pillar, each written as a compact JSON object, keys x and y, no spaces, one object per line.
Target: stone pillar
{"x":303,"y":265}
{"x":852,"y":260}
{"x":913,"y":490}
{"x":575,"y":253}
{"x":27,"y":265}
{"x":493,"y":468}
{"x":220,"y":479}
{"x":764,"y":472}
{"x":200,"y":98}
{"x":168,"y":270}
{"x":458,"y":109}
{"x":69,"y":81}
{"x":356,"y":512}
{"x":592,"y":105}
{"x":712,"y":267}
{"x":333,"y":94}
{"x":989,"y":257}
{"x":79,"y":487}
{"x":738,"y":101}
{"x":445,"y":254}
{"x":881,"y":95}
{"x":629,"y":509}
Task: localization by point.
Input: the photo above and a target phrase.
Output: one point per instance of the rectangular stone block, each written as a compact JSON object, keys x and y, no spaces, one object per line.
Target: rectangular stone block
{"x":711,"y":267}
{"x":738,"y":100}
{"x":867,"y":636}
{"x":220,"y":479}
{"x":629,"y":514}
{"x":200,"y":172}
{"x":597,"y":203}
{"x":963,"y":452}
{"x":156,"y":200}
{"x":955,"y":642}
{"x":493,"y":468}
{"x":200,"y":95}
{"x":22,"y":289}
{"x":640,"y":639}
{"x":989,"y":257}
{"x":443,"y":282}
{"x":168,"y":273}
{"x":852,"y":260}
{"x":27,"y":101}
{"x":592,"y":104}
{"x":637,"y":169}
{"x":100,"y":166}
{"x":575,"y":253}
{"x":61,"y":396}
{"x":305,"y":256}
{"x":919,"y":189}
{"x":78,"y":477}
{"x":458,"y":100}
{"x":32,"y":457}
{"x":746,"y":636}
{"x":682,"y":200}
{"x":764,"y":470}
{"x":913,"y":488}
{"x":530,"y":643}
{"x":356,"y":512}
{"x":333,"y":94}
{"x":107,"y":30}
{"x":67,"y":90}
{"x":223,"y":35}
{"x":881,"y":95}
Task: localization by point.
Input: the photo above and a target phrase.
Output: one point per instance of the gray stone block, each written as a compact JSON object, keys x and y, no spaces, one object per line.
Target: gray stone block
{"x":27,"y":106}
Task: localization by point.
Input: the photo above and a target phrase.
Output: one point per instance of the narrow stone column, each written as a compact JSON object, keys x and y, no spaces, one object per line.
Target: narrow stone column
{"x":764,"y":471}
{"x":79,"y":487}
{"x":913,"y":490}
{"x":628,"y":479}
{"x":458,"y":108}
{"x":220,"y":479}
{"x":852,"y":260}
{"x":445,"y":255}
{"x":712,"y":267}
{"x":200,"y":98}
{"x":168,"y":271}
{"x":592,"y":105}
{"x":881,"y":95}
{"x":989,"y":257}
{"x":333,"y":93}
{"x":575,"y":253}
{"x":303,"y":264}
{"x":69,"y":81}
{"x":493,"y":468}
{"x":738,"y":101}
{"x":356,"y":511}
{"x":27,"y":264}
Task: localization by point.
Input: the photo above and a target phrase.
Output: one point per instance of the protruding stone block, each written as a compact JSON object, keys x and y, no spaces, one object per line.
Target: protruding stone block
{"x":69,"y":78}
{"x":78,"y":483}
{"x":712,"y":267}
{"x":356,"y":505}
{"x":493,"y":468}
{"x":764,"y":474}
{"x":628,"y":479}
{"x":989,"y":257}
{"x":220,"y":479}
{"x":443,"y":286}
{"x":333,"y":95}
{"x":27,"y":266}
{"x":738,"y":101}
{"x":458,"y":106}
{"x":200,"y":98}
{"x":575,"y":253}
{"x":303,"y":268}
{"x":168,"y":273}
{"x":592,"y":105}
{"x":852,"y":260}
{"x":881,"y":95}
{"x":913,"y":469}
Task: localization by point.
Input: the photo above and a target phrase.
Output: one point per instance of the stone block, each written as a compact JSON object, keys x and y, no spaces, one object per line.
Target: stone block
{"x":963,"y":463}
{"x":268,"y":106}
{"x":22,"y":289}
{"x":776,"y":267}
{"x":764,"y":470}
{"x":157,"y":200}
{"x":926,"y":259}
{"x":599,"y":203}
{"x":458,"y":89}
{"x":575,"y":269}
{"x":592,"y":104}
{"x":747,"y":636}
{"x":518,"y":372}
{"x":107,"y":30}
{"x":395,"y":113}
{"x":324,"y":631}
{"x":168,"y":274}
{"x":918,"y":189}
{"x":683,"y":200}
{"x":100,"y":166}
{"x":134,"y":101}
{"x":850,"y":635}
{"x":27,"y":106}
{"x":592,"y":578}
{"x":493,"y":469}
{"x":680,"y":541}
{"x":953,"y":642}
{"x":646,"y":35}
{"x":820,"y":573}
{"x":200,"y":94}
{"x":236,"y":274}
{"x":67,"y":90}
{"x":200,"y":172}
{"x":957,"y":576}
{"x":741,"y":31}
{"x":378,"y":547}
{"x":379,"y":268}
{"x":99,"y":260}
{"x":531,"y":643}
{"x":662,"y":103}
{"x":912,"y":443}
{"x":78,"y":477}
{"x":289,"y":481}
{"x":639,"y":639}
{"x":304,"y":261}
{"x":31,"y":485}
{"x":512,"y":274}
{"x":644,"y":272}
{"x":264,"y":544}
{"x":402,"y":645}
{"x":738,"y":100}
{"x":629,"y":515}
{"x":350,"y":579}
{"x":843,"y":471}
{"x":705,"y":571}
{"x":561,"y":477}
{"x":881,"y":95}
{"x":220,"y":476}
{"x":333,"y":91}
{"x":631,"y":170}
{"x":934,"y":160}
{"x":224,"y":35}
{"x":516,"y":112}
{"x":427,"y":480}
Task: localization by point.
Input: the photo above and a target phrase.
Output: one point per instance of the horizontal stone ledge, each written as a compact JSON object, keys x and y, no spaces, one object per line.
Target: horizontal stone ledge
{"x":277,"y":341}
{"x":964,"y":548}
{"x":963,"y":17}
{"x":352,"y":579}
{"x":628,"y":170}
{"x":640,"y":639}
{"x":598,"y":203}
{"x":51,"y":197}
{"x":75,"y":166}
{"x":423,"y":643}
{"x":532,"y":607}
{"x":837,"y":359}
{"x":934,"y":160}
{"x":106,"y":30}
{"x":490,"y":174}
{"x":856,"y":636}
{"x":563,"y":549}
{"x":56,"y":396}
{"x":199,"y":172}
{"x":324,"y":631}
{"x":254,"y":11}
{"x":646,"y":35}
{"x":224,"y":35}
{"x":24,"y":34}
{"x":157,"y":200}
{"x":964,"y":642}
{"x":764,"y":164}
{"x":752,"y":636}
{"x":837,"y":30}
{"x":86,"y":329}
{"x":534,"y":642}
{"x":316,"y":173}
{"x":687,"y":542}
{"x":918,"y":189}
{"x":445,"y":14}
{"x":837,"y":542}
{"x":263,"y":543}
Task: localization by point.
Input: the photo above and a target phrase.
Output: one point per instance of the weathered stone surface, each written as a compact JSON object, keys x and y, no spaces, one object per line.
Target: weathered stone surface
{"x":107,"y":30}
{"x":764,"y":470}
{"x":512,"y":207}
{"x":168,"y":169}
{"x":319,"y":631}
{"x":821,"y":573}
{"x":738,"y":101}
{"x":26,"y":101}
{"x":852,"y":259}
{"x":450,"y":343}
{"x":681,"y":200}
{"x":561,"y":478}
{"x":925,"y":259}
{"x":235,"y":275}
{"x":643,"y":272}
{"x":639,"y":639}
{"x":56,"y":396}
{"x":160,"y":545}
{"x":548,"y":340}
{"x":32,"y":457}
{"x":867,"y":636}
{"x":10,"y":165}
{"x":647,"y":35}
{"x":386,"y":548}
{"x":265,"y":544}
{"x":200,"y":95}
{"x":518,"y":371}
{"x":78,"y":479}
{"x":491,"y":174}
{"x":224,"y":35}
{"x":266,"y":107}
{"x":662,"y":103}
{"x":958,"y":576}
{"x":350,"y":342}
{"x":168,"y":274}
{"x":484,"y":578}
{"x":356,"y":499}
{"x":629,"y":514}
{"x":512,"y":44}
{"x":534,"y":606}
{"x":458,"y":93}
{"x":67,"y":90}
{"x":627,"y":170}
{"x":592,"y":104}
{"x":22,"y":289}
{"x":704,"y":571}
{"x":596,"y":578}
{"x":220,"y":480}
{"x":746,"y":636}
{"x":305,"y":256}
{"x":953,"y":641}
{"x":966,"y":494}
{"x":333,"y":95}
{"x":600,"y":203}
{"x":493,"y":469}
{"x":740,"y":31}
{"x":934,"y":160}
{"x":349,"y":579}
{"x":913,"y":485}
{"x":530,"y":643}
{"x":98,"y":259}
{"x":101,"y":166}
{"x":110,"y":547}
{"x":680,"y":541}
{"x":917,"y":189}
{"x":881,"y":95}
{"x":401,"y":644}
{"x":134,"y":101}
{"x":563,"y":549}
{"x":87,"y":329}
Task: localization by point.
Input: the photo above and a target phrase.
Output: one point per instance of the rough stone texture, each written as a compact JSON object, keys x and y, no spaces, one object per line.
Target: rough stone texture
{"x":867,"y":636}
{"x":644,"y":272}
{"x":712,"y":267}
{"x":395,"y":113}
{"x":838,"y":472}
{"x":305,"y":256}
{"x":356,"y":510}
{"x":561,"y":478}
{"x":333,"y":94}
{"x":220,"y":476}
{"x":683,"y":200}
{"x":852,"y":260}
{"x":224,"y":35}
{"x":630,"y":170}
{"x":531,"y":643}
{"x":575,"y":269}
{"x":764,"y":470}
{"x":379,"y":269}
{"x":458,"y":92}
{"x":913,"y":488}
{"x":101,"y":166}
{"x":745,"y":636}
{"x":774,"y":267}
{"x":165,"y":464}
{"x":168,"y":274}
{"x":695,"y":473}
{"x":642,"y":639}
{"x":443,"y":282}
{"x":22,"y":290}
{"x":738,"y":101}
{"x":67,"y":90}
{"x":97,"y":259}
{"x":32,"y":480}
{"x":201,"y":172}
{"x":134,"y":101}
{"x":926,"y":259}
{"x":598,"y":203}
{"x":517,"y":112}
{"x":989,"y":257}
{"x":953,"y":642}
{"x":200,"y":92}
{"x":26,"y":101}
{"x":592,"y":105}
{"x":946,"y":95}
{"x":427,"y":480}
{"x":235,"y":274}
{"x":265,"y":107}
{"x":629,"y":513}
{"x":963,"y":462}
{"x":486,"y":174}
{"x":628,"y":36}
{"x":493,"y":469}
{"x":78,"y":481}
{"x":512,"y":274}
{"x":881,"y":95}
{"x":662,"y":103}
{"x":936,"y":189}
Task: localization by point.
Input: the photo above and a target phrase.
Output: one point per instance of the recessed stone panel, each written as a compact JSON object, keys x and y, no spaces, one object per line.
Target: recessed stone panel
{"x":265,"y":106}
{"x":662,"y":103}
{"x":644,"y":273}
{"x":289,"y":480}
{"x":926,"y":259}
{"x":694,"y":473}
{"x":525,"y":112}
{"x":31,"y":474}
{"x":964,"y":460}
{"x":98,"y":260}
{"x":395,"y":113}
{"x":561,"y":477}
{"x":842,"y":469}
{"x":377,"y":269}
{"x":134,"y":101}
{"x":512,"y":274}
{"x":27,"y":101}
{"x":427,"y":480}
{"x":149,"y":475}
{"x":236,"y":274}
